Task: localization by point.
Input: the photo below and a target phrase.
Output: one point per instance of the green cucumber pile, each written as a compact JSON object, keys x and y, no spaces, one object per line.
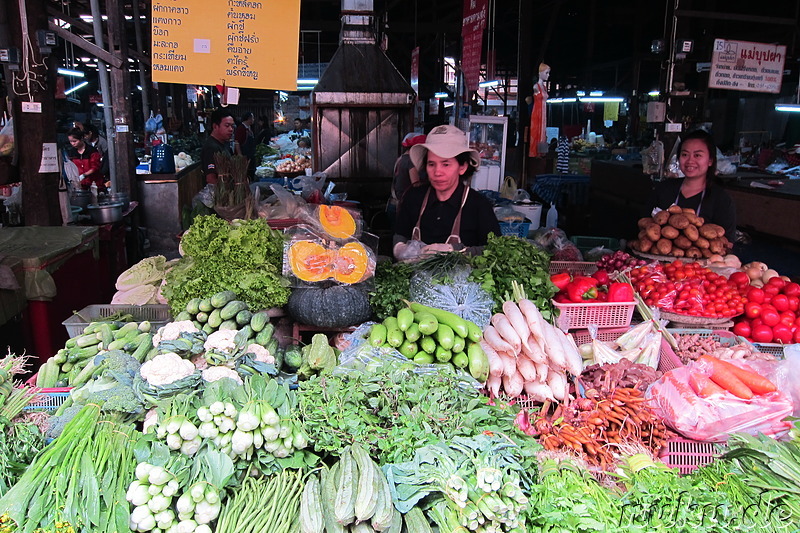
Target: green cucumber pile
{"x":70,"y":367}
{"x":429,"y":335}
{"x":222,"y":311}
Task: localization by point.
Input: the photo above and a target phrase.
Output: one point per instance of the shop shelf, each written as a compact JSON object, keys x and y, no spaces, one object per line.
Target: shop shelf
{"x":580,"y":268}
{"x":520,"y":229}
{"x":602,"y":315}
{"x":689,"y":455}
{"x":157,"y":315}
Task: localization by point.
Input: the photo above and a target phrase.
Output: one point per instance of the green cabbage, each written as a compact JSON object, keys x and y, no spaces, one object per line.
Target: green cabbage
{"x":148,"y":271}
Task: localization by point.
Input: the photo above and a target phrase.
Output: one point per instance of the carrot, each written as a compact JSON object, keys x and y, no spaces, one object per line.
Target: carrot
{"x":725,"y":378}
{"x":757,"y":383}
{"x":703,"y":385}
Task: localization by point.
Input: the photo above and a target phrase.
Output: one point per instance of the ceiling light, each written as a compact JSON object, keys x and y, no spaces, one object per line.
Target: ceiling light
{"x":596,"y":93}
{"x":561,"y":100}
{"x":70,"y":72}
{"x":653,"y":93}
{"x":487,"y":84}
{"x":791,"y":108}
{"x":589,"y":99}
{"x":73,"y":89}
{"x":441,"y":95}
{"x":311,"y":82}
{"x":581,"y":93}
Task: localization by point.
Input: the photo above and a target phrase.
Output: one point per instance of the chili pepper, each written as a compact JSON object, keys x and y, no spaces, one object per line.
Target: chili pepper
{"x":561,"y":280}
{"x":620,"y":292}
{"x":562,"y":298}
{"x":582,"y":289}
{"x":602,"y":277}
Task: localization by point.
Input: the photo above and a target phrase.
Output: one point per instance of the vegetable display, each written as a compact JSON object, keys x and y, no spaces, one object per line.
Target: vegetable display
{"x":771,"y":313}
{"x":679,"y":232}
{"x":391,"y":286}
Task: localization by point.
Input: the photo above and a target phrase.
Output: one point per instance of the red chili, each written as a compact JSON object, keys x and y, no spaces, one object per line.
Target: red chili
{"x":561,"y":280}
{"x":582,"y":289}
{"x":620,"y":292}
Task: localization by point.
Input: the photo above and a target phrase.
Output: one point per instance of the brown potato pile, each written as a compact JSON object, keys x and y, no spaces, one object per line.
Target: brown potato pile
{"x":679,"y":232}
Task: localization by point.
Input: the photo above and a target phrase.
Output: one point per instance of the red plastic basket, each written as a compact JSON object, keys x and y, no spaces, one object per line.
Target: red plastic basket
{"x":771,"y":348}
{"x":581,"y":268}
{"x":670,"y":359}
{"x":602,"y":315}
{"x":689,"y":455}
{"x":666,"y":357}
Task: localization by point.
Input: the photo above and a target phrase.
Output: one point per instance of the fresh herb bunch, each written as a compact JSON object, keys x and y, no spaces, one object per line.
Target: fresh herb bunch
{"x":508,"y":258}
{"x":19,"y":444}
{"x":244,"y":256}
{"x":393,"y":411}
{"x":392,"y":286}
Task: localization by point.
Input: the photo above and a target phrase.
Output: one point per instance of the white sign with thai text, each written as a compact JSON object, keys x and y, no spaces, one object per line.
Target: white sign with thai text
{"x":746,"y":66}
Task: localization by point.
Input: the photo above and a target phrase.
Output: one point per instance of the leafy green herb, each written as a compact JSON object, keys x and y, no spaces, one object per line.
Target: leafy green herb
{"x":508,"y":258}
{"x":392,"y":285}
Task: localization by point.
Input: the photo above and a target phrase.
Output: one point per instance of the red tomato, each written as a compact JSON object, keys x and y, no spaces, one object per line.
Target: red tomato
{"x":762,"y":334}
{"x":777,"y":282}
{"x":742,"y":328}
{"x":797,"y":336}
{"x":755,"y":295}
{"x":792,"y":289}
{"x":771,"y":290}
{"x":770,"y":316}
{"x":752,"y":310}
{"x":781,"y":333}
{"x":781,"y":302}
{"x":756,"y":322}
{"x":788,"y":318}
{"x":794,"y":303}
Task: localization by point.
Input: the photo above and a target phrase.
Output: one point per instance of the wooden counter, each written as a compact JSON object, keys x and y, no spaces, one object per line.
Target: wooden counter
{"x":774,"y":212}
{"x":163,"y":197}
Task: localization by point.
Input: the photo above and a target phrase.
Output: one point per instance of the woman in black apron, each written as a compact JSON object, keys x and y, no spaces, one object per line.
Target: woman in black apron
{"x":697,"y":156}
{"x":444,"y":214}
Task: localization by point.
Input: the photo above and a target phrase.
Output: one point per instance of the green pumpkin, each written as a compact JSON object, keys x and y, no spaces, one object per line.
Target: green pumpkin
{"x":329,"y":305}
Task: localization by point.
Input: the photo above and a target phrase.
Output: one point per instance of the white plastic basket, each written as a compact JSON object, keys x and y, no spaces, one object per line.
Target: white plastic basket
{"x":157,"y":315}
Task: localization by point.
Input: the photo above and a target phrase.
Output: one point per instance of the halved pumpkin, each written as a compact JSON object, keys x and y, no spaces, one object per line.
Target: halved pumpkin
{"x":352,"y":263}
{"x":310,"y":261}
{"x":337,"y":221}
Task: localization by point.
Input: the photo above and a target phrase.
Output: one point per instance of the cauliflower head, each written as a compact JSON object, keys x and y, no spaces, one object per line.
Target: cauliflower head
{"x":213,"y":373}
{"x":166,"y":368}
{"x":173,"y":330}
{"x":261,"y":354}
{"x":221,"y":341}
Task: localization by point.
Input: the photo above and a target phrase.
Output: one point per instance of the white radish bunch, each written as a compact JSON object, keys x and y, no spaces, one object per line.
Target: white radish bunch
{"x":527,"y":354}
{"x":151,"y":495}
{"x":197,"y":507}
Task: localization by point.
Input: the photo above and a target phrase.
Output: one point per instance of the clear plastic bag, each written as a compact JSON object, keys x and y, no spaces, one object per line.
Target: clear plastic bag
{"x":7,"y":139}
{"x":712,"y":419}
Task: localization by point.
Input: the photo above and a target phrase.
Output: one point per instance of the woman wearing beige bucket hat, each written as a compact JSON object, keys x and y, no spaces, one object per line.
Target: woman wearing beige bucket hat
{"x":444,"y":214}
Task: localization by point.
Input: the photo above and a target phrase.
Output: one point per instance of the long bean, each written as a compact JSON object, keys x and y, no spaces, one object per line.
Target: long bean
{"x":269,"y":504}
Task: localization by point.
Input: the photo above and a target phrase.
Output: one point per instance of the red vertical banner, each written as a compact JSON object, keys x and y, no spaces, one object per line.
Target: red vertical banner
{"x":475,"y":12}
{"x":415,"y":70}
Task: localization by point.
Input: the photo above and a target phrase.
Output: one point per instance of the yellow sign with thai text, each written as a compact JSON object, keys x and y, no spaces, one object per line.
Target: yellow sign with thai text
{"x":241,"y":43}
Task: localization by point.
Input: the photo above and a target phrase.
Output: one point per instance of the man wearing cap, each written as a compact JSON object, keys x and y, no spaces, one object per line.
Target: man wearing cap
{"x":446,"y":214}
{"x":405,"y":175}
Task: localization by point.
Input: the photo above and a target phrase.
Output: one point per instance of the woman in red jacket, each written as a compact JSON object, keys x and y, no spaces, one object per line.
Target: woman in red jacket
{"x":87,"y":159}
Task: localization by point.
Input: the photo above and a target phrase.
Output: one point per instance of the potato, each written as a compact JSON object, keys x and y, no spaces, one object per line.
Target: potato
{"x":663,"y":246}
{"x":642,"y":235}
{"x":661,"y":217}
{"x":677,"y":252}
{"x":691,"y":232}
{"x":708,"y":231}
{"x":653,"y":232}
{"x":644,"y":222}
{"x":706,"y":253}
{"x":675,"y":209}
{"x":702,"y":243}
{"x":717,"y":246}
{"x":693,"y":219}
{"x":634,"y":244}
{"x":682,"y":242}
{"x":719,"y":229}
{"x":689,"y":211}
{"x":668,"y":232}
{"x":678,"y":221}
{"x":645,"y":245}
{"x":694,"y":253}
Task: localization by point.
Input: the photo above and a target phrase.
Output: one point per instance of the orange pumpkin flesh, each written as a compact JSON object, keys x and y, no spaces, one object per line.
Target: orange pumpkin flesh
{"x":309,"y":261}
{"x":352,"y":263}
{"x":337,"y":221}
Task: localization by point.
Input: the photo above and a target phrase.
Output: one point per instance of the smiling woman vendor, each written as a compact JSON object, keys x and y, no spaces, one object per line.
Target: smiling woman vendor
{"x":444,"y":214}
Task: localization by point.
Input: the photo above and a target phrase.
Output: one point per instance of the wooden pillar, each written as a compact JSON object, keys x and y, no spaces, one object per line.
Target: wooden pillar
{"x":121,"y":104}
{"x":39,"y":190}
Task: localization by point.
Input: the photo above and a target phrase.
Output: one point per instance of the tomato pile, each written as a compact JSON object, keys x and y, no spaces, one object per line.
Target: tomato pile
{"x":689,"y":289}
{"x":771,"y":313}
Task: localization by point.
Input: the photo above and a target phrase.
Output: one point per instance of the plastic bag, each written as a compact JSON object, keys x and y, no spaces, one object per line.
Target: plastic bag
{"x":7,"y":139}
{"x":509,"y":214}
{"x":784,"y":374}
{"x":653,"y":158}
{"x":712,"y":419}
{"x":154,"y":123}
{"x":673,"y":169}
{"x":508,"y":189}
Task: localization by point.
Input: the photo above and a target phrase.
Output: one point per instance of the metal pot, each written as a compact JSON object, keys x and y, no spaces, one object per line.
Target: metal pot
{"x":121,"y":197}
{"x":106,"y":213}
{"x":80,"y":198}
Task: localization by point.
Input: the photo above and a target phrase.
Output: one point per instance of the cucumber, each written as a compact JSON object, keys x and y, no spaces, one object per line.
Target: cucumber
{"x":193,"y":306}
{"x":208,"y":329}
{"x":423,"y":358}
{"x":460,"y":360}
{"x":478,"y":362}
{"x":48,"y":374}
{"x":427,"y":323}
{"x":198,"y":325}
{"x":391,"y":322}
{"x":263,"y":337}
{"x":259,"y":321}
{"x":231,"y":309}
{"x":61,"y":356}
{"x":405,"y":317}
{"x":205,"y":305}
{"x":377,"y":335}
{"x":229,"y":324}
{"x":458,"y":324}
{"x":202,"y":317}
{"x":88,"y":339}
{"x":412,"y":333}
{"x":445,"y":336}
{"x":221,"y":299}
{"x":183,"y":315}
{"x":145,"y":345}
{"x":408,"y":348}
{"x":214,"y":319}
{"x":442,"y":355}
{"x":459,"y":343}
{"x":125,"y":330}
{"x":394,"y":337}
{"x":243,"y":317}
{"x":427,"y":344}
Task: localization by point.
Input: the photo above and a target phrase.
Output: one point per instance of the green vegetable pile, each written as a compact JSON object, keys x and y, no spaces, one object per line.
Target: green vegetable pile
{"x":392,"y":286}
{"x":393,"y":410}
{"x":244,"y":256}
{"x":508,"y":258}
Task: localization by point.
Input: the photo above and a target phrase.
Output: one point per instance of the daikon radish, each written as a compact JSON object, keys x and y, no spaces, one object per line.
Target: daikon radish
{"x":542,"y":370}
{"x":538,"y":392}
{"x":506,"y":330}
{"x":553,"y":349}
{"x":509,"y":363}
{"x":493,"y":339}
{"x":517,"y":320}
{"x":527,"y":368}
{"x":534,"y":319}
{"x":532,"y":350}
{"x":574,"y":361}
{"x":493,"y":385}
{"x":496,"y":364}
{"x":558,"y":384}
{"x":513,"y":385}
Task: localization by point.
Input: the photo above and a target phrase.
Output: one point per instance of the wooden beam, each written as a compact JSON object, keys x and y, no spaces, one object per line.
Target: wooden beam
{"x":85,"y":45}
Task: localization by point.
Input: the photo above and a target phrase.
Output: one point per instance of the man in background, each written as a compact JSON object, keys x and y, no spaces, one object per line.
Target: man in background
{"x":222,"y":125}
